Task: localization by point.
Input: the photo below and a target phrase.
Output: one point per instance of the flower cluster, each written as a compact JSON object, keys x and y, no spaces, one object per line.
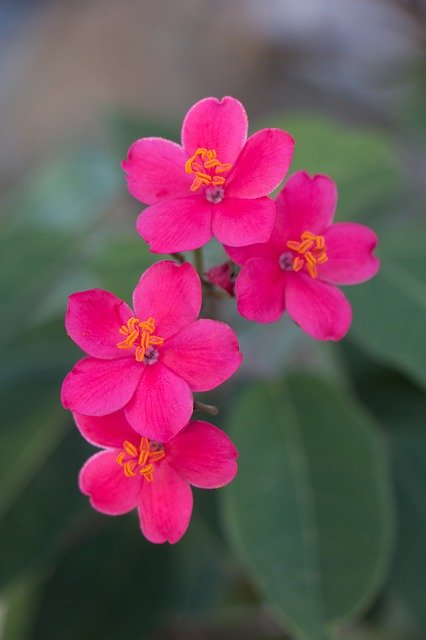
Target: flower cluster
{"x":133,"y":393}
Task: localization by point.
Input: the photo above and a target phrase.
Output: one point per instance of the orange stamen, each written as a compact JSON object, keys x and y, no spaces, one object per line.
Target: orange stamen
{"x":142,"y":331}
{"x":205,"y":166}
{"x":311,"y":252}
{"x":142,"y":460}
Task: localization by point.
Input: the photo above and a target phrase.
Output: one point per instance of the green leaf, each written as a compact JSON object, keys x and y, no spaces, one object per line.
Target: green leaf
{"x":120,"y":262}
{"x":112,"y":584}
{"x":69,"y":192}
{"x":361,"y":161}
{"x":40,"y":500}
{"x":390,"y":310}
{"x":309,"y":512}
{"x":21,"y":608}
{"x":401,"y":408}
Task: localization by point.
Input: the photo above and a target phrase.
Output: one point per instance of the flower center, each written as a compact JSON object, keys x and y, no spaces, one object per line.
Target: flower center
{"x":141,"y":335}
{"x":207,"y":169}
{"x":310,"y":252}
{"x":140,"y":460}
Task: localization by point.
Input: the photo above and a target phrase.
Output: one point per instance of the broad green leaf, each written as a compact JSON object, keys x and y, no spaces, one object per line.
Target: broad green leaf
{"x":40,"y":498}
{"x":309,"y":512}
{"x":20,"y":609}
{"x":401,"y":408}
{"x":361,"y":161}
{"x":119,"y":263}
{"x":409,"y":572}
{"x":126,"y":127}
{"x":69,"y":192}
{"x":111,"y":584}
{"x":390,"y":310}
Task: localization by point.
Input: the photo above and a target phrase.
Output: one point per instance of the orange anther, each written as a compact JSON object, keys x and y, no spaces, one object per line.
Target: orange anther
{"x":142,"y":460}
{"x":298,"y":263}
{"x":206,"y":167}
{"x":311,"y":252}
{"x":139,"y":334}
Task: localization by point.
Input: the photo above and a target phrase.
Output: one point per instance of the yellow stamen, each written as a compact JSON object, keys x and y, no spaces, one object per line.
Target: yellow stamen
{"x":135,"y":330}
{"x":311,"y":252}
{"x":120,"y":458}
{"x":129,"y":448}
{"x":298,"y":263}
{"x":128,"y":468}
{"x":142,"y":460}
{"x":206,"y":167}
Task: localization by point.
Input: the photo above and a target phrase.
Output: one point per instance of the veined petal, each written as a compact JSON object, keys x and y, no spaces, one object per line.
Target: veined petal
{"x":319,"y":308}
{"x":171,"y":294}
{"x":205,"y":353}
{"x":93,"y":320}
{"x":239,"y":222}
{"x":262,"y":164}
{"x":203,"y":455}
{"x":155,"y":170}
{"x":162,"y":404}
{"x":307,"y":204}
{"x":216,"y":124}
{"x":272,"y":248}
{"x":178,"y":225}
{"x":98,"y":387}
{"x":109,"y":490}
{"x":165,"y":505}
{"x":105,"y":431}
{"x":260,"y":290}
{"x":349,"y":251}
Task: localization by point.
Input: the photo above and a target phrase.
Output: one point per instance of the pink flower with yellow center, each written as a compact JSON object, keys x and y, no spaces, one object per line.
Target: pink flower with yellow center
{"x":216,"y":183}
{"x":148,"y":360}
{"x":306,"y":256}
{"x":134,"y":472}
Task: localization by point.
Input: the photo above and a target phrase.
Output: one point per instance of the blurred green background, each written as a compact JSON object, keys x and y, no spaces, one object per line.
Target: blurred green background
{"x":323,"y":533}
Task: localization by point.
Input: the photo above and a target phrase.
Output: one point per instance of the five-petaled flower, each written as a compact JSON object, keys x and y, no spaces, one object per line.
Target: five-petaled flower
{"x":216,"y":183}
{"x":153,"y":477}
{"x":306,"y":256}
{"x":148,"y":360}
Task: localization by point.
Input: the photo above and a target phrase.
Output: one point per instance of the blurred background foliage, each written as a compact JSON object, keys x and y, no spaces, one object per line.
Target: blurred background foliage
{"x":323,"y":533}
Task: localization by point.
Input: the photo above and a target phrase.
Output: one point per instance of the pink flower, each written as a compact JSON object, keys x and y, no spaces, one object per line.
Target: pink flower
{"x":135,"y":472}
{"x":306,"y":256}
{"x":215,"y":183}
{"x":149,"y":360}
{"x":222,"y":275}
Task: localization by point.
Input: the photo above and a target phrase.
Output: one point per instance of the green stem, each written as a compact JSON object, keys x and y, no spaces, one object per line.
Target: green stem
{"x":198,"y":259}
{"x":179,"y":257}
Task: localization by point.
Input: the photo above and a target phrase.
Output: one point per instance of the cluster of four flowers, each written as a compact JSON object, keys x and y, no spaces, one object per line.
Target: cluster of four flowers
{"x":132,"y":395}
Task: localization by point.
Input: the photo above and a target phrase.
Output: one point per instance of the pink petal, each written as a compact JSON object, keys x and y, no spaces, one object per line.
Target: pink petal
{"x":259,"y":289}
{"x":93,"y":321}
{"x":165,"y":505}
{"x":349,"y":249}
{"x":203,"y":455}
{"x":205,"y":353}
{"x":105,"y":431}
{"x":273,"y":248}
{"x":307,"y":204}
{"x":216,"y":124}
{"x":262,"y":165}
{"x":169,"y":293}
{"x":97,"y":387}
{"x":239,"y":222}
{"x":177,"y":225}
{"x":222,"y":275}
{"x":162,"y":404}
{"x":109,"y":490}
{"x":155,"y":170}
{"x":319,"y":308}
